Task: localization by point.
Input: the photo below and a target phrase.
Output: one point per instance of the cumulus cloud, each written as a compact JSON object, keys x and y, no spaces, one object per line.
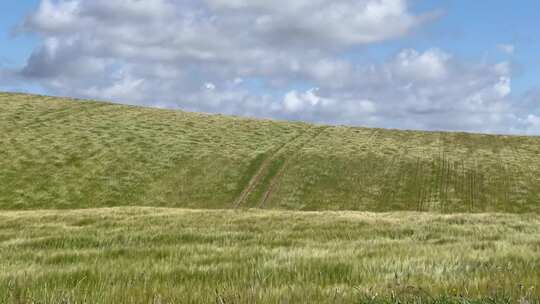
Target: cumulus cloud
{"x":430,"y":65}
{"x":533,"y":120}
{"x":506,"y":48}
{"x":420,"y":90}
{"x":529,"y":114}
{"x":280,"y":59}
{"x":210,"y":86}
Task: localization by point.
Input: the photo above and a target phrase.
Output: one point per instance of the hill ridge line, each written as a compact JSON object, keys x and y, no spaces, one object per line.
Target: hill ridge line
{"x":62,"y":154}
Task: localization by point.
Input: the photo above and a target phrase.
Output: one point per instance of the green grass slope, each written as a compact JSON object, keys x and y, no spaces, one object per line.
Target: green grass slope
{"x":64,"y":154}
{"x":68,"y":154}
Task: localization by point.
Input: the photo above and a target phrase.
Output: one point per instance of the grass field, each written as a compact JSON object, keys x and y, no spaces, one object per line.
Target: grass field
{"x":106,"y":203}
{"x":62,"y":154}
{"x":147,"y":255}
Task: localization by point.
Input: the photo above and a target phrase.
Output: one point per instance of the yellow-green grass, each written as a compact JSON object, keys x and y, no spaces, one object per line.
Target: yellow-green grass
{"x":460,"y":212}
{"x":149,"y":255}
{"x":61,"y":154}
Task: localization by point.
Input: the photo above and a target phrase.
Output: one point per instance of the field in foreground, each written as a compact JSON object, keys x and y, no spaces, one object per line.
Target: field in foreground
{"x":148,"y":255}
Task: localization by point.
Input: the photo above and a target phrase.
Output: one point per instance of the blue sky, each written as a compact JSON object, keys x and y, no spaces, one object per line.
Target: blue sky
{"x":412,"y":64}
{"x":474,"y":28}
{"x":15,"y":48}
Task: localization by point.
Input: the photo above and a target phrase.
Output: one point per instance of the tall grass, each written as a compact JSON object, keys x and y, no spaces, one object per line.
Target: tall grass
{"x":59,"y":153}
{"x":145,"y":255}
{"x":459,"y":223}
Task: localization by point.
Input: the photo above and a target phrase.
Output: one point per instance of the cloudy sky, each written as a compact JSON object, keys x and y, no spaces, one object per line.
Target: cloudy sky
{"x":413,"y":64}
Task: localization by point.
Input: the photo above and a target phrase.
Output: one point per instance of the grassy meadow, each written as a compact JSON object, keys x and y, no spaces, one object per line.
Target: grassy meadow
{"x":108,"y":203}
{"x":63,"y":154}
{"x":148,"y":255}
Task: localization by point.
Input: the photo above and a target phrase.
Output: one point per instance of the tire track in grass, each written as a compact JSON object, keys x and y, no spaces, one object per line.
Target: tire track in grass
{"x":259,"y":175}
{"x":515,"y":193}
{"x":274,"y":182}
{"x":391,"y":178}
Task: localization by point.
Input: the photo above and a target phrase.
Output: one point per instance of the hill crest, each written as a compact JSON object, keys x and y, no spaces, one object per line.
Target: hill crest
{"x":61,"y":154}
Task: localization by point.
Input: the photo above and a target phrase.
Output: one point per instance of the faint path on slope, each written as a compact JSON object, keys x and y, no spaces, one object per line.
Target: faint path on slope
{"x":255,"y":180}
{"x":277,"y":178}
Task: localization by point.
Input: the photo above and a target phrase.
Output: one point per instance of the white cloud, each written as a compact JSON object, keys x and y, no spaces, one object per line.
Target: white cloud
{"x":506,"y":48}
{"x":257,"y":57}
{"x":502,"y":68}
{"x":430,"y":65}
{"x":53,"y":16}
{"x":123,"y":88}
{"x":503,"y":88}
{"x":333,"y":72}
{"x":342,"y":22}
{"x":530,"y":124}
{"x":310,"y":105}
{"x":534,"y":120}
{"x":295,"y":101}
{"x":367,"y":106}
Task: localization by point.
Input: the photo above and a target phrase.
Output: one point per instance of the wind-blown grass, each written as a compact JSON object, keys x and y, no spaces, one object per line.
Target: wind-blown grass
{"x":61,"y":154}
{"x":460,"y":221}
{"x":146,"y":255}
{"x":58,"y":153}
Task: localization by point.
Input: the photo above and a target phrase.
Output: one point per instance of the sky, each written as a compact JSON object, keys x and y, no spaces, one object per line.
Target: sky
{"x":454,"y":65}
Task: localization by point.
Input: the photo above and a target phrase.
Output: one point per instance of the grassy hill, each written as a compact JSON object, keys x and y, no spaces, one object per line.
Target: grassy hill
{"x":60,"y":154}
{"x":188,"y":222}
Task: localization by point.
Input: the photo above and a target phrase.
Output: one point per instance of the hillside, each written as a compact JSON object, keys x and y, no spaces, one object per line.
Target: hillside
{"x":64,"y":154}
{"x":135,"y":192}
